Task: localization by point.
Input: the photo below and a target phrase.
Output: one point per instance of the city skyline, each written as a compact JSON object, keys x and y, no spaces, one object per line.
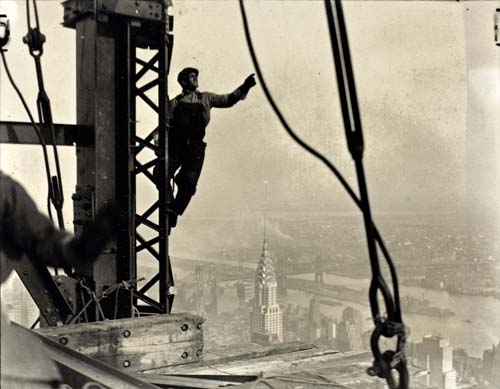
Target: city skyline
{"x":429,"y":100}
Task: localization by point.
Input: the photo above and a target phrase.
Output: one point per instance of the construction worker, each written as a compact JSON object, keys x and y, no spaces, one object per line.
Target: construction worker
{"x":190,"y":117}
{"x":24,"y":231}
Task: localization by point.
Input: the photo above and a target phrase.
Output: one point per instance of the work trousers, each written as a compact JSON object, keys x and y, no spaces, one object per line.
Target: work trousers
{"x":185,"y":164}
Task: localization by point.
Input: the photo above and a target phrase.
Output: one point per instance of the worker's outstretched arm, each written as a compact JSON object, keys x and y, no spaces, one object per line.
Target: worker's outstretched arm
{"x":228,"y":100}
{"x":26,"y":231}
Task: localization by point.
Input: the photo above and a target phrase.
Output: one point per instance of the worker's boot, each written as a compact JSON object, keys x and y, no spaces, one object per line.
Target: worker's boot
{"x":172,"y":219}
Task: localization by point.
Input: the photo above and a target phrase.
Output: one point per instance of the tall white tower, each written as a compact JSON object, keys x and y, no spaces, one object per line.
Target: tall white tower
{"x":436,"y":354}
{"x":266,"y":318}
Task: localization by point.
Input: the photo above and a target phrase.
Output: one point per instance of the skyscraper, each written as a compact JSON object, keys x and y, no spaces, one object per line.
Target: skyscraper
{"x":436,"y":355}
{"x":491,"y":365}
{"x":266,"y":318}
{"x":350,"y":330}
{"x":313,"y":321}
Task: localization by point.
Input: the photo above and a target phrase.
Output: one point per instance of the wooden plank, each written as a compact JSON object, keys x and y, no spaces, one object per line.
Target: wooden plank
{"x":250,"y":351}
{"x":319,"y":367}
{"x":186,"y":382}
{"x":278,"y":363}
{"x":135,"y":344}
{"x":245,"y":353}
{"x":147,"y":359}
{"x":77,"y":370}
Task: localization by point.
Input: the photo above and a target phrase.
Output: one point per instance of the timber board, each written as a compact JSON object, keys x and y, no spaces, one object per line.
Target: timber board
{"x":314,"y":368}
{"x":250,"y":351}
{"x":135,"y":344}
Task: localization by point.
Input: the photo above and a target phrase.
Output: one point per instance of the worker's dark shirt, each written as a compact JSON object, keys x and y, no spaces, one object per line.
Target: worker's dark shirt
{"x":207,"y":100}
{"x":26,"y":231}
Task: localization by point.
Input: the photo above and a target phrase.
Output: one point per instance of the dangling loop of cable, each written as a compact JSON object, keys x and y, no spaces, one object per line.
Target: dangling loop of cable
{"x":393,"y":325}
{"x":384,"y":363}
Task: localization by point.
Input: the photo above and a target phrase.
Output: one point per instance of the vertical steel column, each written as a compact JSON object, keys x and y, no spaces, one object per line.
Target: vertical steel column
{"x":125,"y":177}
{"x":166,"y":278}
{"x":156,"y":247}
{"x":103,"y":170}
{"x":108,"y":91}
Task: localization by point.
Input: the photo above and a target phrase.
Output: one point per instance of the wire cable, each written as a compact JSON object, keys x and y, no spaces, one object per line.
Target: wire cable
{"x":311,"y":150}
{"x":393,"y":326}
{"x":35,"y":40}
{"x":282,"y":119}
{"x":32,"y":121}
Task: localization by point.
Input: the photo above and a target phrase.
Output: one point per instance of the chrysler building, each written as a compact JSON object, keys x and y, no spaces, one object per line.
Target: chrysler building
{"x":266,"y":318}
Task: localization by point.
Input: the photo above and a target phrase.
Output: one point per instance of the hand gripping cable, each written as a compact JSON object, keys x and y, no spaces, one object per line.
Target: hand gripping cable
{"x":384,"y":363}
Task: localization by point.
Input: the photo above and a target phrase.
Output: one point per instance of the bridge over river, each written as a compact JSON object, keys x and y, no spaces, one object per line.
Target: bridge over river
{"x":228,"y":272}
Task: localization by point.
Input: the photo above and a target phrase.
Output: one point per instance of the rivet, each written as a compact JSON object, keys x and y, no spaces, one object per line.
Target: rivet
{"x":184,"y":355}
{"x":126,"y":333}
{"x":184,"y":327}
{"x":199,"y":325}
{"x":199,"y":352}
{"x":63,"y":341}
{"x":126,"y":363}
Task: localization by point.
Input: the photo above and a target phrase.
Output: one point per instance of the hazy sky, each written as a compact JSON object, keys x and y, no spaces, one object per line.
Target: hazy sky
{"x":427,"y":76}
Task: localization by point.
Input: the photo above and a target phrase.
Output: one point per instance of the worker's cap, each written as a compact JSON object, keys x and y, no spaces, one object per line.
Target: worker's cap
{"x":184,"y":73}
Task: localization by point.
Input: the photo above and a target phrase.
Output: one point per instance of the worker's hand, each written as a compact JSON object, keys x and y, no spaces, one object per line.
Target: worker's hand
{"x":88,"y":245}
{"x":250,"y":82}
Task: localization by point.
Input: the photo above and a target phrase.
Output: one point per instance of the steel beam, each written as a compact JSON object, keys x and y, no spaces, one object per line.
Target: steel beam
{"x":108,"y":93}
{"x":66,"y":134}
{"x":53,"y":304}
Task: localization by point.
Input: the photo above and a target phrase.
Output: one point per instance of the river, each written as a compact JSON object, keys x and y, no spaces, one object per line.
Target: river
{"x":475,"y":326}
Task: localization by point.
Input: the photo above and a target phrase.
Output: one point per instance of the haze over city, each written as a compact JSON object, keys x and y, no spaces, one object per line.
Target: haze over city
{"x":428,"y":82}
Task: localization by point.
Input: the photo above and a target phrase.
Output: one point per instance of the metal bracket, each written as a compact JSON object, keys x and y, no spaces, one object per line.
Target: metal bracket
{"x":83,"y":206}
{"x":141,"y":9}
{"x":54,"y":307}
{"x":146,"y":10}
